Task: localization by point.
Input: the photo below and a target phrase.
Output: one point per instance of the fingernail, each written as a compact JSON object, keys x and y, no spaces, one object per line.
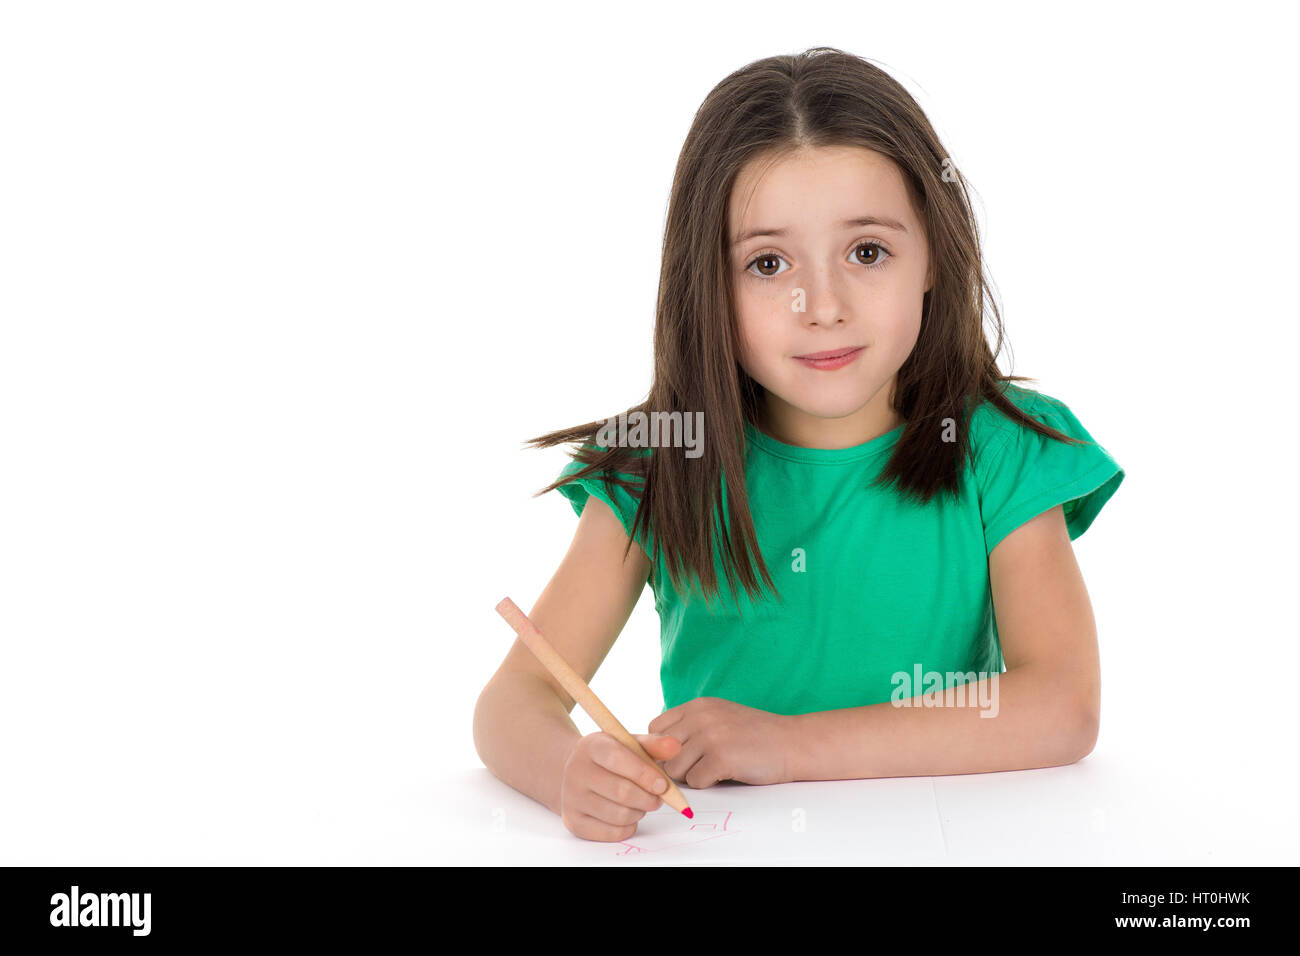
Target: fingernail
{"x":661,"y":785}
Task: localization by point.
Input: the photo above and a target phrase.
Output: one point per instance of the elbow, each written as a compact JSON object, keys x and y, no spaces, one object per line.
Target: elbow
{"x":480,"y":724}
{"x":1079,"y":731}
{"x":1079,"y":720}
{"x":476,"y":727}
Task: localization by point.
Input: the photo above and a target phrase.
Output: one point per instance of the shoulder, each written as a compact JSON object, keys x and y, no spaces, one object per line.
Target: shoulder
{"x":623,"y":472}
{"x":991,"y":428}
{"x":619,"y":488}
{"x":1021,"y":472}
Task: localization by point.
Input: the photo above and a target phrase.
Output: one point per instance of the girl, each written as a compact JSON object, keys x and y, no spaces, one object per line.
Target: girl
{"x":892,"y":515}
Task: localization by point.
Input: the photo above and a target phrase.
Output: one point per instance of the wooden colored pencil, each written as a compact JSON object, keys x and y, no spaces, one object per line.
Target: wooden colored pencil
{"x":577,"y":688}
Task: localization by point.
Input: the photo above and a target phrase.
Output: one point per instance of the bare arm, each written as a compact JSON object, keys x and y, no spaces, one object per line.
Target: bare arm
{"x":522,"y":729}
{"x":1047,"y":702}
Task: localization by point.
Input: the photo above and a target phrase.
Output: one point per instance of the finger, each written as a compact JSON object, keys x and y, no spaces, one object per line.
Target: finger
{"x":609,"y":811}
{"x":594,"y":829}
{"x":665,"y":720}
{"x":681,"y":765}
{"x":622,"y":762}
{"x":662,"y":748}
{"x":624,"y":792}
{"x":703,"y":773}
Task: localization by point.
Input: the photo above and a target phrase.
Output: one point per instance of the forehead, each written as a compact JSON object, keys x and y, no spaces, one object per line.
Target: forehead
{"x":812,"y":188}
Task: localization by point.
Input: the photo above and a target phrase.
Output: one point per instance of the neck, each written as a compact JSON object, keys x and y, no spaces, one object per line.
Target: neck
{"x":792,"y":426}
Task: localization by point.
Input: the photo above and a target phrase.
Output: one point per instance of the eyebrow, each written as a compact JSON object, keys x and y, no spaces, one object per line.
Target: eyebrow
{"x":861,"y":221}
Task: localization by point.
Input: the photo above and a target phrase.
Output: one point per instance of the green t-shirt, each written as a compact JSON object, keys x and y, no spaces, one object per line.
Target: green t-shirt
{"x":874,"y":586}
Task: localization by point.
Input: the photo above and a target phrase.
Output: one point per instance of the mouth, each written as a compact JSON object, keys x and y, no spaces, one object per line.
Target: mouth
{"x":833,"y":354}
{"x":831,"y":360}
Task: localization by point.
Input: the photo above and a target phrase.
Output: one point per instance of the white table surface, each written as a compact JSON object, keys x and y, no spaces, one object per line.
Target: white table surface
{"x":1161,"y":807}
{"x":1099,"y":811}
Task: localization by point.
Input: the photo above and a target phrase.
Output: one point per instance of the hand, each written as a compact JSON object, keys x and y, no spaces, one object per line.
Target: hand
{"x":723,"y":740}
{"x":607,"y":788}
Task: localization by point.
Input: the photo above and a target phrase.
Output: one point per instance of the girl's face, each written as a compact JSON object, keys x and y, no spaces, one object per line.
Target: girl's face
{"x":810,"y":277}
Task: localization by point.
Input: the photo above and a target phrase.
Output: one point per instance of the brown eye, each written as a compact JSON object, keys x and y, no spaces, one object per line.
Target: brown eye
{"x":873,"y":256}
{"x":767,"y":263}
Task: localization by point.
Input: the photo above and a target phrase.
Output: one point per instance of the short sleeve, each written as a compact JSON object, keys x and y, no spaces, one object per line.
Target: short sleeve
{"x":1025,"y":473}
{"x":621,"y":501}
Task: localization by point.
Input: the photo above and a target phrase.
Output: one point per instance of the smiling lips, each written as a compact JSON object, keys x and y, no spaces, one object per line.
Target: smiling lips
{"x":831,"y":360}
{"x":832,"y":354}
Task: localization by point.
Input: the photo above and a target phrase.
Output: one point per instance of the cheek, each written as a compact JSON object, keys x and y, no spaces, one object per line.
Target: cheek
{"x":902,"y":332}
{"x":760,"y":346}
{"x":904,"y":340}
{"x":746,"y":349}
{"x":901,"y":315}
{"x":753,"y":325}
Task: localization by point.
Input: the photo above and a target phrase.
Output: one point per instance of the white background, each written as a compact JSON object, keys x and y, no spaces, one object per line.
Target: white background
{"x":285,"y":286}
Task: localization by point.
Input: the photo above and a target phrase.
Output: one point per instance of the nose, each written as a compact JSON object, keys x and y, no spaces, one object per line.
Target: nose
{"x":824,"y":300}
{"x":825,"y":318}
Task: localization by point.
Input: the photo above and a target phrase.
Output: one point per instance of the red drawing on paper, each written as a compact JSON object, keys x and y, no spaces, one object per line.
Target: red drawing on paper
{"x":708,"y":825}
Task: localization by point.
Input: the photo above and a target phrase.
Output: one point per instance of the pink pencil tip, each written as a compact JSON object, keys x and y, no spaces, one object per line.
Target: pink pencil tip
{"x":689,"y":814}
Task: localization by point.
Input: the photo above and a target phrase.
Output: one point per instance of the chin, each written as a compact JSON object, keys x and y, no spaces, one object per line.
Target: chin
{"x":831,"y":409}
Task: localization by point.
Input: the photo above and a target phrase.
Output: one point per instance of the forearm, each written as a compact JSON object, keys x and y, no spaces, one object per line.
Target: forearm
{"x":1039,"y":721}
{"x":524,"y":735}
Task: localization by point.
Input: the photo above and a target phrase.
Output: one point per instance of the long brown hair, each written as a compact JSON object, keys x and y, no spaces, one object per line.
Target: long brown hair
{"x":821,"y":97}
